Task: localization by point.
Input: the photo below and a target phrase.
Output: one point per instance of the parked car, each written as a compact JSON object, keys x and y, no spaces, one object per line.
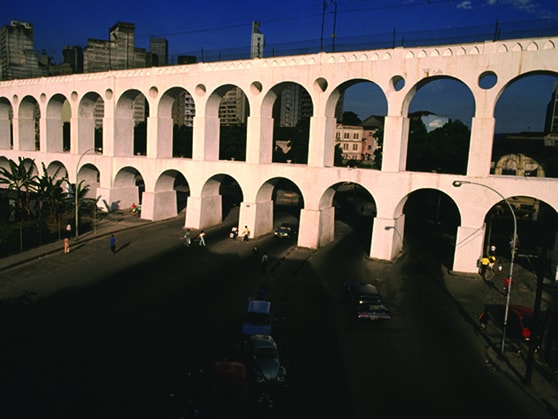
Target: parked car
{"x":366,"y":301}
{"x":258,"y":318}
{"x":285,"y":231}
{"x":520,"y":320}
{"x":263,"y":360}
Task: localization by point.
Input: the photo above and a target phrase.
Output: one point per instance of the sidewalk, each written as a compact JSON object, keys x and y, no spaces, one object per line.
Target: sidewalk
{"x":110,"y":223}
{"x":472,"y":293}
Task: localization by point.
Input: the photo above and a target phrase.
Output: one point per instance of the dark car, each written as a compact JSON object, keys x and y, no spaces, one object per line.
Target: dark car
{"x":520,"y":320}
{"x":285,"y":231}
{"x":263,"y":361}
{"x":366,"y":301}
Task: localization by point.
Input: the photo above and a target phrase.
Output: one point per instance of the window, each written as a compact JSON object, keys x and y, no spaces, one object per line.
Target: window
{"x":337,"y":135}
{"x":355,"y":136}
{"x":346,"y":135}
{"x":355,"y":147}
{"x":345,"y":146}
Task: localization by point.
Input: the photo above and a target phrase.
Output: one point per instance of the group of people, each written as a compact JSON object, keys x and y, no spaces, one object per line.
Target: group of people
{"x":488,"y":263}
{"x":188,"y":238}
{"x":245,"y":233}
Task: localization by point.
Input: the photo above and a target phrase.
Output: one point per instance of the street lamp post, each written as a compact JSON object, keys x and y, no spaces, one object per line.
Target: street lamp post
{"x":76,"y":200}
{"x":457,"y":184}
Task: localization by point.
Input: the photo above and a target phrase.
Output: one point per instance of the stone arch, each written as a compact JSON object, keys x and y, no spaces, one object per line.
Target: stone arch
{"x":6,"y":119}
{"x":508,"y":106}
{"x":213,"y":209}
{"x":437,"y":141}
{"x":176,"y":111}
{"x":278,"y":199}
{"x":228,"y":128}
{"x":56,"y":107}
{"x":128,"y":188}
{"x":90,"y":122}
{"x":29,"y":114}
{"x":290,"y":107}
{"x":351,"y":203}
{"x":430,"y":218}
{"x":170,"y":194}
{"x":371,"y":123}
{"x":130,"y":120}
{"x":56,"y":167}
{"x":91,"y":177}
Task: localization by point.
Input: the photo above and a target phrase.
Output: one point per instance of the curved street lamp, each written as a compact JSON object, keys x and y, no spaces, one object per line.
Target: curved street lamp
{"x":76,"y":200}
{"x":457,"y":184}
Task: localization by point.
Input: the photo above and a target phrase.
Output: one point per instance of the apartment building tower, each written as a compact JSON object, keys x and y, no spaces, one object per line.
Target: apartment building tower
{"x":18,"y":58}
{"x":118,"y":53}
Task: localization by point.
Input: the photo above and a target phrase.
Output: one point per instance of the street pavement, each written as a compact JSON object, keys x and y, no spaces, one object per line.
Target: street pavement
{"x":469,"y":291}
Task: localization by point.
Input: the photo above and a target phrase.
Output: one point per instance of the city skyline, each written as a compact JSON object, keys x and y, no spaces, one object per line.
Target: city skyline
{"x":214,"y":25}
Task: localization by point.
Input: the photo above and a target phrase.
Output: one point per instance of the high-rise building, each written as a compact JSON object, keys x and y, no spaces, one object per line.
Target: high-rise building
{"x":184,"y":110}
{"x":233,"y":107}
{"x":159,"y":48}
{"x":551,"y":121}
{"x":73,"y":55}
{"x":292,"y":105}
{"x":257,"y":41}
{"x":118,"y":53}
{"x":17,"y":55}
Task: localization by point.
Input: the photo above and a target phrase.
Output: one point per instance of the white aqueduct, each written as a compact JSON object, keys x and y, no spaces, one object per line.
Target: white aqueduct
{"x":398,"y":72}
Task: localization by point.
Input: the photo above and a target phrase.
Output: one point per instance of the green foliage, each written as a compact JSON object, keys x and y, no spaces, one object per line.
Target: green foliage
{"x":351,"y":118}
{"x":444,"y":150}
{"x":338,"y":156}
{"x":20,"y":178}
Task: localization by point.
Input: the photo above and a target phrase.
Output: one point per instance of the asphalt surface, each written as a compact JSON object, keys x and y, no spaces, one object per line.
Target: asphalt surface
{"x":470,"y":292}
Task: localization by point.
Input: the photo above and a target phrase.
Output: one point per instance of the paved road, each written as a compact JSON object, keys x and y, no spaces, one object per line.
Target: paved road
{"x":58,"y":276}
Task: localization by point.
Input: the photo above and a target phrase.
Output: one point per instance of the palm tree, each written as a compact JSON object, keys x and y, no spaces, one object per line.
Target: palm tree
{"x":51,"y":193}
{"x":81,"y":192}
{"x":20,"y":178}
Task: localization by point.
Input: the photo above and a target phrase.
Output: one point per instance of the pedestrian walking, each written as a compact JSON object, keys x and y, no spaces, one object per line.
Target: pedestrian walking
{"x":483,"y":320}
{"x":201,"y":238}
{"x":234,"y":233}
{"x":492,"y":250}
{"x":265,"y":259}
{"x":66,"y":245}
{"x":68,"y":232}
{"x":245,"y":233}
{"x":112,"y":242}
{"x":187,"y":238}
{"x":491,"y":262}
{"x":484,"y":262}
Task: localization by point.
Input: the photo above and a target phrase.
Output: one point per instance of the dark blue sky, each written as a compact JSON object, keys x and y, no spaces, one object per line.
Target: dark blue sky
{"x":192,"y":25}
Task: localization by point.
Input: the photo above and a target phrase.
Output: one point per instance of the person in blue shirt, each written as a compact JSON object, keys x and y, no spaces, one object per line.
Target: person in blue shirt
{"x":112,"y":241}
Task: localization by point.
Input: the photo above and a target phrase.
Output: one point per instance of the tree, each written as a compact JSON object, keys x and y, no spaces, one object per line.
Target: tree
{"x":51,"y":194}
{"x":298,"y":152}
{"x":351,"y":118}
{"x":20,"y":178}
{"x":71,"y":197}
